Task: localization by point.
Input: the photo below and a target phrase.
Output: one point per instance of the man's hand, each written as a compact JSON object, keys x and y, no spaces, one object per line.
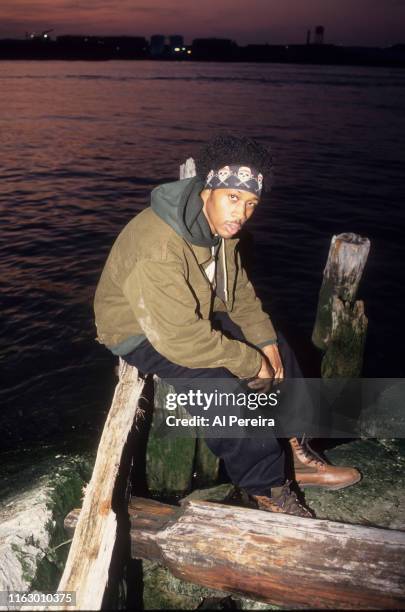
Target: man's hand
{"x":263,"y":380}
{"x":272,"y":353}
{"x":271,"y":370}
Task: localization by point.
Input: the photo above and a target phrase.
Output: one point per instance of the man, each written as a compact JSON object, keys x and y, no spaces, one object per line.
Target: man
{"x":174,"y":300}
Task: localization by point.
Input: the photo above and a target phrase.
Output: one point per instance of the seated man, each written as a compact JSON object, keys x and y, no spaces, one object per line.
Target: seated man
{"x":172,"y":269}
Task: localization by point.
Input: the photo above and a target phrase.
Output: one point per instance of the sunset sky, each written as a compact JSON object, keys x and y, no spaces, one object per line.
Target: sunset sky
{"x":364,"y":22}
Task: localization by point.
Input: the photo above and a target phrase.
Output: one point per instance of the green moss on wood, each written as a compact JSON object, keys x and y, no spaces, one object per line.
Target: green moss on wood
{"x":206,"y":465}
{"x":344,"y":355}
{"x":175,"y":464}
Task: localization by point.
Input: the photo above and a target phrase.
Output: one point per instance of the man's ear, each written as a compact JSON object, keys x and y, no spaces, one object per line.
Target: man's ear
{"x":205,"y":194}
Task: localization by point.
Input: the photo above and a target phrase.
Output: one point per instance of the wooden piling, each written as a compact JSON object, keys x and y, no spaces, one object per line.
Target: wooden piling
{"x":344,"y":355}
{"x":187,"y":170}
{"x":341,"y":325}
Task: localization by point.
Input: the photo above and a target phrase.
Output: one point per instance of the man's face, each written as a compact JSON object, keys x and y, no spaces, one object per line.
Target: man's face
{"x":228,"y":209}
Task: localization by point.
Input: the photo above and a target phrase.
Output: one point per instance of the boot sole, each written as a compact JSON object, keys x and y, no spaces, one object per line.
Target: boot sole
{"x":329,"y":487}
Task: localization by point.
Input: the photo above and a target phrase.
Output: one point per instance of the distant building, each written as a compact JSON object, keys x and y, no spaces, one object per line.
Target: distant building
{"x":176,"y":42}
{"x":157,"y":45}
{"x":215,"y":49}
{"x":177,"y":48}
{"x":308,"y":37}
{"x":102,"y":47}
{"x":168,"y":47}
{"x":319,"y":35}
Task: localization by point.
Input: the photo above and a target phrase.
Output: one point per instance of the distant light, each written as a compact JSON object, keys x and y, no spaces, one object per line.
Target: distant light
{"x":189,"y":51}
{"x":45,"y":35}
{"x":286,"y":46}
{"x":183,"y":48}
{"x":177,"y":49}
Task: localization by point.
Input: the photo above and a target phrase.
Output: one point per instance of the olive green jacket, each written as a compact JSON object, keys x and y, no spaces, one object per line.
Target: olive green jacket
{"x":154,"y":285}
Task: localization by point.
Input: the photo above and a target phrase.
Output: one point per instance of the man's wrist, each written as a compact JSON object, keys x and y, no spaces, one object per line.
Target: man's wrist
{"x":270,"y":342}
{"x":269,"y":347}
{"x":260,"y":364}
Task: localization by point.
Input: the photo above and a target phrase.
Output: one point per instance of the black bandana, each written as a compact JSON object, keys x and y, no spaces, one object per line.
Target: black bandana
{"x":238,"y":176}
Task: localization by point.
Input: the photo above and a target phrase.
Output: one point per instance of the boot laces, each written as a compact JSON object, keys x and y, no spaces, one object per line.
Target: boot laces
{"x":309,"y":452}
{"x":287,"y":498}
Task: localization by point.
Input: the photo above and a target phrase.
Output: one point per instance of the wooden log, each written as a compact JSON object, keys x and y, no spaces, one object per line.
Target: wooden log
{"x":87,"y":567}
{"x":346,"y":260}
{"x":276,"y":558}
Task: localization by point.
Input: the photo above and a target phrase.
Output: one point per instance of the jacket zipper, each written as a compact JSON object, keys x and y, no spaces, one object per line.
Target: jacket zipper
{"x":225,"y":271}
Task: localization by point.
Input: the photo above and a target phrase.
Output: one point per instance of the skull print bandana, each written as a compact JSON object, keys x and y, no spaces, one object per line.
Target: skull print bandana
{"x":240,"y":177}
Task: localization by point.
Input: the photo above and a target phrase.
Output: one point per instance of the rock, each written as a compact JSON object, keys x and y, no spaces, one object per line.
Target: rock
{"x":40,"y":489}
{"x":379,"y":498}
{"x":24,"y":537}
{"x":383,"y":412}
{"x":214,"y":494}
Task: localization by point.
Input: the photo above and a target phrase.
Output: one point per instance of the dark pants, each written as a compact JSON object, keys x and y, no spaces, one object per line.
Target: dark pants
{"x":256,"y":464}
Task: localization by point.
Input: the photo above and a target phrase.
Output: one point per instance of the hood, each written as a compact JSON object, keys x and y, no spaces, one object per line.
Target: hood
{"x":180,"y":205}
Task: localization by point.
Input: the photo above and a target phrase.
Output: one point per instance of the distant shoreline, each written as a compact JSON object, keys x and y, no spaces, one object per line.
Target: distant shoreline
{"x":80,"y":48}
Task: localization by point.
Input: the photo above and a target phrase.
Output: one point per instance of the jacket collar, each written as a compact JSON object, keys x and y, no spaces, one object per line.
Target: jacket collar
{"x":203,"y":254}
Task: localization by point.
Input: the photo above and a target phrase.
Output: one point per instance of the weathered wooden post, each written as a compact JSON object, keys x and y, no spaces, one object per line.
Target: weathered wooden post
{"x":87,"y":567}
{"x":169,"y":459}
{"x":187,"y":170}
{"x":341,"y":325}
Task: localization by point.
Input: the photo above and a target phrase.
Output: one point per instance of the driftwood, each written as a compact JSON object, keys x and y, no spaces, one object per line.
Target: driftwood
{"x":87,"y":567}
{"x":341,"y":325}
{"x":276,"y":558}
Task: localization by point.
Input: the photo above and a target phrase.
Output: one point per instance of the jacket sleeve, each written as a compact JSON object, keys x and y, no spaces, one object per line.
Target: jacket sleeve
{"x":247,"y":311}
{"x":168,"y":313}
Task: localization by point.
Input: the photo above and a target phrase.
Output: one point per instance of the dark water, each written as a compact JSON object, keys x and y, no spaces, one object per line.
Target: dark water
{"x":83,"y":143}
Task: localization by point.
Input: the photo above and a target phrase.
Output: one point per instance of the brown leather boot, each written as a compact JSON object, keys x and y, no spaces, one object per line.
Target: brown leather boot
{"x":282,"y":499}
{"x":313,"y":471}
